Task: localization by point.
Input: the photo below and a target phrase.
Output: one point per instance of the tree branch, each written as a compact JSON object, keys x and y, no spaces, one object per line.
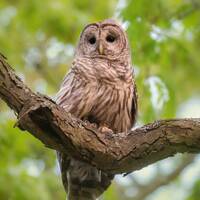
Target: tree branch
{"x":114,"y":153}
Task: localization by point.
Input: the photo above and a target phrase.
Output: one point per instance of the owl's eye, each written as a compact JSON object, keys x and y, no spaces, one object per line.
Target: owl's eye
{"x":110,"y":38}
{"x":92,"y":40}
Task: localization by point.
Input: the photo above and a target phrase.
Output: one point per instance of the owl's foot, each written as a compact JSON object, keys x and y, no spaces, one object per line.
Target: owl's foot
{"x":93,"y":125}
{"x":105,"y":129}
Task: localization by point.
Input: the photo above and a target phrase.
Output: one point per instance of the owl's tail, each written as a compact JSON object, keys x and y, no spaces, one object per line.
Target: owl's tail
{"x":86,"y":182}
{"x":83,"y":181}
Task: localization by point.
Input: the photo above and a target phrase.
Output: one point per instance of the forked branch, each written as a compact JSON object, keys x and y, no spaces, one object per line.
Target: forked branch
{"x":115,"y":153}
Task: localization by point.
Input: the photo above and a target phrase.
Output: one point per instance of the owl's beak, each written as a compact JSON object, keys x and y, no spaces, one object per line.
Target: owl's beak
{"x":100,"y":49}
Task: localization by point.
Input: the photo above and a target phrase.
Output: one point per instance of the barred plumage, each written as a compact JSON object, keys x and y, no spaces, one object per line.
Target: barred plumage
{"x":100,"y":88}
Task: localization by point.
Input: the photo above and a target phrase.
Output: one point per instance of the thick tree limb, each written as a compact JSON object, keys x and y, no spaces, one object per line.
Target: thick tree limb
{"x":115,"y":153}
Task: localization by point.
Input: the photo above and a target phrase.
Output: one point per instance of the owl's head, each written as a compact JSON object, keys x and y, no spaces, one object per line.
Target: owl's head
{"x":104,"y":39}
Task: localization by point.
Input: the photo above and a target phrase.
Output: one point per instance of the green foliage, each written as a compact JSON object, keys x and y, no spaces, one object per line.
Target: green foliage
{"x":165,"y":38}
{"x":195,"y":193}
{"x":39,"y":38}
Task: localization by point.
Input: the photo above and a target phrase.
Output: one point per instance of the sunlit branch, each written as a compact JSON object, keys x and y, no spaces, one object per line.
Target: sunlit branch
{"x":114,"y":153}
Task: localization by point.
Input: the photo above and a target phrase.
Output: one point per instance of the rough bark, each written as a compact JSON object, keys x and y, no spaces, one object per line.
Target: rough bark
{"x":115,"y":153}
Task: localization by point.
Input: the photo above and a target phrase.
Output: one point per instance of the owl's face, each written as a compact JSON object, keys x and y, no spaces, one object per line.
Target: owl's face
{"x":105,"y":39}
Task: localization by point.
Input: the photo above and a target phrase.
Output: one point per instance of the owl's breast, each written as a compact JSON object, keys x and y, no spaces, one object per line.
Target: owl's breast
{"x":112,"y":107}
{"x":107,"y":95}
{"x":102,"y":71}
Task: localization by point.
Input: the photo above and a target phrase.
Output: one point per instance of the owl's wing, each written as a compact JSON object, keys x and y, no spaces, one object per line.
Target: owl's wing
{"x":61,"y":99}
{"x":80,"y":180}
{"x":64,"y":162}
{"x":76,"y":95}
{"x":68,"y":97}
{"x":64,"y":95}
{"x":134,"y":108}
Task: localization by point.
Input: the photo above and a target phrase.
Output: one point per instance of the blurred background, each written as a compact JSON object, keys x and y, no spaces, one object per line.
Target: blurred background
{"x":39,"y":38}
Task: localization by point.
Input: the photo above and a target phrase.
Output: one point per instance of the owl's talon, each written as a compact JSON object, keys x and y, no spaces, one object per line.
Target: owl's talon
{"x":105,"y":129}
{"x":94,"y":125}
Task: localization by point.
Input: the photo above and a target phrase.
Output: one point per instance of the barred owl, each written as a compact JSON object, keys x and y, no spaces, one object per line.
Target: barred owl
{"x":100,"y":88}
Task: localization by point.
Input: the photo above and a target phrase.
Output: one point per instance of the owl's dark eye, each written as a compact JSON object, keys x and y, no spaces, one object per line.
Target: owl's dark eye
{"x":92,"y":40}
{"x":110,"y":38}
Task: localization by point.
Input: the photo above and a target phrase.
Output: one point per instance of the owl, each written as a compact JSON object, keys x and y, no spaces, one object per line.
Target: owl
{"x":99,"y":88}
